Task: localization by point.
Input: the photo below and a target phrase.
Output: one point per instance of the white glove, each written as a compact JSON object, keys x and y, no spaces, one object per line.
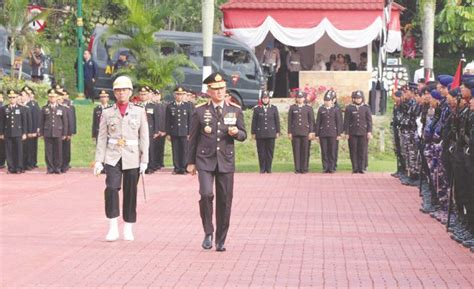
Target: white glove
{"x":98,"y":167}
{"x":143,"y":167}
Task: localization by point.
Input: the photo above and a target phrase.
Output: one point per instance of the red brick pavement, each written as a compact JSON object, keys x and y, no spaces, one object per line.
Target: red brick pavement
{"x":287,"y":231}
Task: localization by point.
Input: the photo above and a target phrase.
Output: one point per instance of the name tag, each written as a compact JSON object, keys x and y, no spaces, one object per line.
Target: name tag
{"x":150,"y":111}
{"x":59,"y":112}
{"x":17,"y":111}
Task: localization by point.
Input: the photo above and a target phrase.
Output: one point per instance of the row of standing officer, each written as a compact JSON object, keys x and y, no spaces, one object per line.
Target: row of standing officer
{"x":22,"y":122}
{"x":328,"y":128}
{"x":433,"y":124}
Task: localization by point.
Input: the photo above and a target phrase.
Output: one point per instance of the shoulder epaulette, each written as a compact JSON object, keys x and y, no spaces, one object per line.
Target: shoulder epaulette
{"x":233,"y":104}
{"x":202,"y":104}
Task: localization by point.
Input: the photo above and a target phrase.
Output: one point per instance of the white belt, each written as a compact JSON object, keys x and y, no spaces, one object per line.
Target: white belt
{"x":123,"y":142}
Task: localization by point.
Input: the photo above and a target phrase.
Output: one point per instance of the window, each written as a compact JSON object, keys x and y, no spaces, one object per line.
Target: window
{"x":193,"y":52}
{"x":237,"y":60}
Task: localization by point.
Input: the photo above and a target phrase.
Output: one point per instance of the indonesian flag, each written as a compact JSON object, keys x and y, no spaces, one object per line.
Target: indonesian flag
{"x":457,"y":77}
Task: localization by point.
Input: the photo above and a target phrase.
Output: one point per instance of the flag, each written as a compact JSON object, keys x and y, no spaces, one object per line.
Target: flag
{"x":457,"y":76}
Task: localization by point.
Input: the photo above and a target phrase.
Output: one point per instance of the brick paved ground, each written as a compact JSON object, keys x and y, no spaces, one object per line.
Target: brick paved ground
{"x":287,"y":231}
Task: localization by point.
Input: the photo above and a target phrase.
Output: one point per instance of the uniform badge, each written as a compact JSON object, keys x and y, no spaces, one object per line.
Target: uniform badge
{"x":230,"y":119}
{"x":59,"y":112}
{"x":17,"y":111}
{"x":207,"y":120}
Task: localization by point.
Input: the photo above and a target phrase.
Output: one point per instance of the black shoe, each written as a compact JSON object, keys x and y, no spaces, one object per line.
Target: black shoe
{"x":50,"y":172}
{"x":207,"y":242}
{"x":220,"y":247}
{"x":58,"y":172}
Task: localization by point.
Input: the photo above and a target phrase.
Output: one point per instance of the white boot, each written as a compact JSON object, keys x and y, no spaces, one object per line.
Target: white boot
{"x":113,"y":233}
{"x":127,"y":232}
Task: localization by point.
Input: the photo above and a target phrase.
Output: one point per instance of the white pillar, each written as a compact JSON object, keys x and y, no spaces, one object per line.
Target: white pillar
{"x":207,"y":33}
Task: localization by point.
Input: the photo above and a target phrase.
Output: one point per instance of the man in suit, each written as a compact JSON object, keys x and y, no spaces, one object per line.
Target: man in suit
{"x":97,"y":113}
{"x":23,"y":99}
{"x":358,"y":127}
{"x":328,"y":129}
{"x":178,"y":121}
{"x":265,"y":129}
{"x":13,"y":130}
{"x":214,"y":128}
{"x":300,"y":131}
{"x":54,"y":129}
{"x":122,"y":144}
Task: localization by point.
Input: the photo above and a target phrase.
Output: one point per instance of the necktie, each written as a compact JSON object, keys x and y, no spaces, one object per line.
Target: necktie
{"x":219,"y":111}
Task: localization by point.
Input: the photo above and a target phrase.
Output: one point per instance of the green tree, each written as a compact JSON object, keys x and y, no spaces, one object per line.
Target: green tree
{"x":455,"y":25}
{"x":14,"y":17}
{"x":140,"y":26}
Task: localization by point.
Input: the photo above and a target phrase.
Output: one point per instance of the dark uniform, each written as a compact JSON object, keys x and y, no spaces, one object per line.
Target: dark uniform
{"x":265,"y":127}
{"x":2,"y":146}
{"x":54,"y":126}
{"x":357,"y":125}
{"x":161,"y":140}
{"x":211,"y":150}
{"x":29,"y":132}
{"x":32,"y":141}
{"x":152,"y":113}
{"x":13,"y":129}
{"x":328,"y":128}
{"x":72,"y":130}
{"x":300,"y":125}
{"x":178,"y":122}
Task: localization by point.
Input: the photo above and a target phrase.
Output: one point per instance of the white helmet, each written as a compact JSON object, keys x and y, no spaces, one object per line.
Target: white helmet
{"x":123,"y":82}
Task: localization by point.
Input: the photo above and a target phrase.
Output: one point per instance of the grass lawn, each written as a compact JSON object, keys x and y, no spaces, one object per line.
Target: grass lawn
{"x":246,"y":156}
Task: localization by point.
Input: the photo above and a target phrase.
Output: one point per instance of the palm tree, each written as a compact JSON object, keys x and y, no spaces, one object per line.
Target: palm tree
{"x":140,"y":26}
{"x":17,"y":24}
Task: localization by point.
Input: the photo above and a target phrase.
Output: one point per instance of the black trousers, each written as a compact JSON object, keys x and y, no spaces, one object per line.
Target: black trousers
{"x":32,"y":159}
{"x":224,"y":194}
{"x":89,"y":89}
{"x":2,"y":153}
{"x":300,"y":146}
{"x":113,"y":182}
{"x":328,"y":153}
{"x":151,"y":154}
{"x":265,"y":149}
{"x":179,"y":146}
{"x":26,"y":153}
{"x":293,"y":79}
{"x":358,"y":152}
{"x":461,"y":180}
{"x":160,"y":152}
{"x":470,"y":192}
{"x":53,"y":153}
{"x":66,"y":155}
{"x":14,"y":154}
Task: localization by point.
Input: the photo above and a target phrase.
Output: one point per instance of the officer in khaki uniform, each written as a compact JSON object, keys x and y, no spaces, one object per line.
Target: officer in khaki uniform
{"x":358,"y":126}
{"x":178,"y":122}
{"x":265,"y":129}
{"x":300,"y":131}
{"x":122,"y":144}
{"x":13,"y":130}
{"x":215,"y":126}
{"x":54,"y":129}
